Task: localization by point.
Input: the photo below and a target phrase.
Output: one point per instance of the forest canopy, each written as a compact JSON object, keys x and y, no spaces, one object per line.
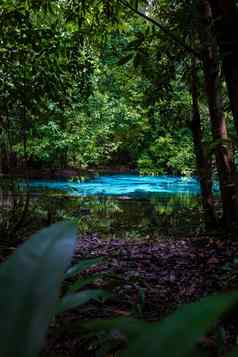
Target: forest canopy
{"x":148,"y":85}
{"x":84,"y":98}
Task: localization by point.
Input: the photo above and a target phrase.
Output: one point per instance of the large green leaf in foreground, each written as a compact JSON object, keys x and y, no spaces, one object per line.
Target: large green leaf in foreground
{"x":30,"y":281}
{"x":177,"y":335}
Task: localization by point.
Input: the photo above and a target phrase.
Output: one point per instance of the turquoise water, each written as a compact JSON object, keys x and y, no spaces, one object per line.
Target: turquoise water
{"x":123,"y":185}
{"x":124,"y":204}
{"x":120,"y":205}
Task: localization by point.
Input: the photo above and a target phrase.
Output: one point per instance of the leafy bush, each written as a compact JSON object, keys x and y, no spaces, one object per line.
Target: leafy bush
{"x":169,"y":155}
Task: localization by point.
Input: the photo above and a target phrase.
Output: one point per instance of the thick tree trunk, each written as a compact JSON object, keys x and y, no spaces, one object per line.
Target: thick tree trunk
{"x":225,"y":15}
{"x":223,"y":150}
{"x":203,"y":163}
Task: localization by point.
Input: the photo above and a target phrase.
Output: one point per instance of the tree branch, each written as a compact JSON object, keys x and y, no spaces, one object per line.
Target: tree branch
{"x":162,"y":28}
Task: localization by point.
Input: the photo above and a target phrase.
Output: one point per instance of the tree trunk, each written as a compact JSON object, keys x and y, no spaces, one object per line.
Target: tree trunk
{"x":223,"y":149}
{"x":203,"y":164}
{"x":225,"y":15}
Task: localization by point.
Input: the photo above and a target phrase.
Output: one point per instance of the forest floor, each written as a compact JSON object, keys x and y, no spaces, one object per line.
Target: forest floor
{"x":150,"y":279}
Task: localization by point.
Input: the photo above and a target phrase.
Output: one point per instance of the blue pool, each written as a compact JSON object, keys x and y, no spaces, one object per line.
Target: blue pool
{"x":123,"y":185}
{"x":124,"y":204}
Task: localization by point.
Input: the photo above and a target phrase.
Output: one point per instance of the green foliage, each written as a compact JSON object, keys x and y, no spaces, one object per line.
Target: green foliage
{"x":30,"y":285}
{"x":177,"y":335}
{"x":164,"y":157}
{"x":33,"y":275}
{"x":101,"y":217}
{"x":122,"y":219}
{"x":66,"y":101}
{"x":40,"y":55}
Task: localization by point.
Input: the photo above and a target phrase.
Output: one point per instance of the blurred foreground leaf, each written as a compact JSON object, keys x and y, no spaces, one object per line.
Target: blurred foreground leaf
{"x":30,"y":283}
{"x":177,"y":335}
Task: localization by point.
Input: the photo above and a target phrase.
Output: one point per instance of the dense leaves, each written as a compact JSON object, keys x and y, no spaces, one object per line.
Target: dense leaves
{"x":74,"y":99}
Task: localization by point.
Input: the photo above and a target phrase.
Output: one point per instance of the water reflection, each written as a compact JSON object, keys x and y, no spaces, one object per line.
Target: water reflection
{"x":164,"y":214}
{"x":118,"y":205}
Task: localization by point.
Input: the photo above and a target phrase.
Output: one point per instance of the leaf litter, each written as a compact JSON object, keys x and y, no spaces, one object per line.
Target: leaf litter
{"x":150,"y":279}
